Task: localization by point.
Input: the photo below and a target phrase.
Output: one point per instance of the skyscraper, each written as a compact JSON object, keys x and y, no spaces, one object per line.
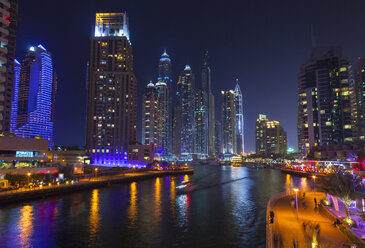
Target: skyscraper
{"x":9,"y":24}
{"x":240,"y":141}
{"x":187,"y":110}
{"x":201,"y":123}
{"x":358,"y":101}
{"x":149,"y":115}
{"x":112,"y":90}
{"x":270,"y":137}
{"x":218,"y":138}
{"x":228,"y":123}
{"x":163,"y":119}
{"x":34,"y":95}
{"x":177,"y":115}
{"x":206,"y":86}
{"x":164,"y":89}
{"x":324,"y":106}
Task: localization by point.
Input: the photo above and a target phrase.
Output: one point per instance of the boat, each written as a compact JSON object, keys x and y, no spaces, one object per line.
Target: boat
{"x":185,"y":187}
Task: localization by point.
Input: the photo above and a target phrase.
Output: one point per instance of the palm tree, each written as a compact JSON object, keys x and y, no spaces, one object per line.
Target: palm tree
{"x":343,"y":186}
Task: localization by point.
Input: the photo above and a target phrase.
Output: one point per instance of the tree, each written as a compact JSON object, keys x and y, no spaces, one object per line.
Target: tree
{"x":343,"y":186}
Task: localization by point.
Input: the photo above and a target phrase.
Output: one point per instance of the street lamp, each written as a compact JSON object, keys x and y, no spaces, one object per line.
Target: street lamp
{"x":314,"y":184}
{"x":28,"y":174}
{"x":296,"y":200}
{"x":96,"y":172}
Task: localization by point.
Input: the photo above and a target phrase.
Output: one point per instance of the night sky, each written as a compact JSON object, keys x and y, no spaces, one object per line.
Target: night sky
{"x":263,"y":43}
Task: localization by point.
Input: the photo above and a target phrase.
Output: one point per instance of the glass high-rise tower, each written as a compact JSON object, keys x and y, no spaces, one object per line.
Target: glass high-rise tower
{"x":112,"y":91}
{"x":33,"y":104}
{"x":187,"y":110}
{"x":240,"y":145}
{"x":228,"y":123}
{"x":324,"y":104}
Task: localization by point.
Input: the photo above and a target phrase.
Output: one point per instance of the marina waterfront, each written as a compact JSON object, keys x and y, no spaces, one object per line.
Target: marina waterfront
{"x":226,"y":208}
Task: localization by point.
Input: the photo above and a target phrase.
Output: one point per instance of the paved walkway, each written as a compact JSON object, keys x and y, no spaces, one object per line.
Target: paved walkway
{"x":287,"y":230}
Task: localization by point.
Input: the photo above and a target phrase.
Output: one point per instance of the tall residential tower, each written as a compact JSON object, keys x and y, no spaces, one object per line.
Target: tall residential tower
{"x":228,"y":123}
{"x":112,"y":91}
{"x":324,"y":106}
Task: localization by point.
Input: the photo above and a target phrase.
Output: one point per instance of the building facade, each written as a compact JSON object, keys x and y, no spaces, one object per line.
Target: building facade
{"x":218,"y":138}
{"x":324,"y":105}
{"x":112,"y":91}
{"x":270,"y":137}
{"x":164,"y":88}
{"x":228,"y":123}
{"x":358,"y":101}
{"x":35,"y":87}
{"x":238,"y":102}
{"x":177,"y":115}
{"x":149,"y":115}
{"x":8,"y":29}
{"x":187,"y":110}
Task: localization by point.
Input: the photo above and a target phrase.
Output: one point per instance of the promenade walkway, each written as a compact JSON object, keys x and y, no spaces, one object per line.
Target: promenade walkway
{"x":287,"y":231}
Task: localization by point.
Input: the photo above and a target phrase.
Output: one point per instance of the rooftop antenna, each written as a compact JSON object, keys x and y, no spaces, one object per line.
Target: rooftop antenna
{"x":313,"y":37}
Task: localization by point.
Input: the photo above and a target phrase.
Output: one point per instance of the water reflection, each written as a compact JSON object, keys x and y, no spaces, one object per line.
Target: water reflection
{"x":183,"y":204}
{"x":292,"y":182}
{"x":157,"y":199}
{"x":25,"y":226}
{"x":172,"y":196}
{"x":133,"y":210}
{"x":94,"y":218}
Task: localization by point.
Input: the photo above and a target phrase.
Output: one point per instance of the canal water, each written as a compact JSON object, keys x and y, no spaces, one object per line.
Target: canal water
{"x":227,"y":209}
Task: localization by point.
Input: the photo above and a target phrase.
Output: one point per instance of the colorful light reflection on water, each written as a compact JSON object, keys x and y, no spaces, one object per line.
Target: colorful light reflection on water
{"x":228,"y":208}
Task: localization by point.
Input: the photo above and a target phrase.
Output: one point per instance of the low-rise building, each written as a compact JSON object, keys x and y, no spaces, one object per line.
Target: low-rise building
{"x":140,"y":154}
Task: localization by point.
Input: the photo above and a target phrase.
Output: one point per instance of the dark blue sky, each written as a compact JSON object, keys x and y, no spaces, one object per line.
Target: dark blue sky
{"x":263,"y":43}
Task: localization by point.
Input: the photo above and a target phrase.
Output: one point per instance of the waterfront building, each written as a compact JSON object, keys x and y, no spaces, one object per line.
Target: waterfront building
{"x":240,"y":141}
{"x":9,"y":24}
{"x":164,"y":88}
{"x":187,"y":110}
{"x":358,"y":101}
{"x":18,"y":152}
{"x":112,"y":91}
{"x":218,"y":138}
{"x":324,"y":105}
{"x":149,"y":115}
{"x":34,"y":96}
{"x":270,"y":137}
{"x":177,"y":115}
{"x":201,"y":123}
{"x":205,"y":86}
{"x":140,"y":154}
{"x":162,"y":118}
{"x":228,"y":123}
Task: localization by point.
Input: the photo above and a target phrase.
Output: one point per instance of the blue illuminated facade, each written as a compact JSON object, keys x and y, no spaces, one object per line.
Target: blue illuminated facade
{"x":34,"y":96}
{"x":14,"y":103}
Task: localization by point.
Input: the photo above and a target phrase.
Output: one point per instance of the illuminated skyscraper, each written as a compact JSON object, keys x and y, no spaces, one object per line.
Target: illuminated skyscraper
{"x":34,"y":96}
{"x":187,"y":110}
{"x":164,"y":89}
{"x":112,"y":105}
{"x":163,"y":119}
{"x":177,"y":115}
{"x":228,"y":123}
{"x":324,"y":106}
{"x":358,"y":101}
{"x":270,"y":137}
{"x":240,"y":144}
{"x":218,"y":138}
{"x":209,"y":105}
{"x":149,"y":115}
{"x":201,"y":123}
{"x":9,"y":24}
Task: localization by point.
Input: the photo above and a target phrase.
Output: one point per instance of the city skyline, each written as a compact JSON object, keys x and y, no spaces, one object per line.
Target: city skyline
{"x":291,"y":47}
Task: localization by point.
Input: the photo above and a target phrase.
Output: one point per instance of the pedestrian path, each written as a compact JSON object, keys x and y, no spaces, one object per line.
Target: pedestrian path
{"x":311,"y":226}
